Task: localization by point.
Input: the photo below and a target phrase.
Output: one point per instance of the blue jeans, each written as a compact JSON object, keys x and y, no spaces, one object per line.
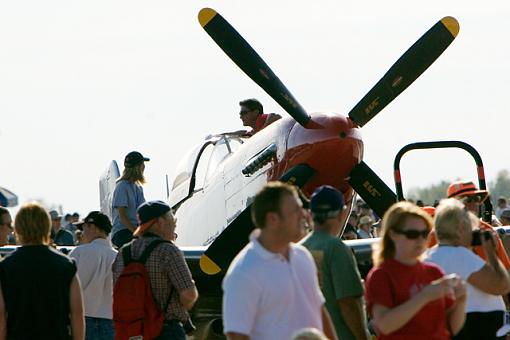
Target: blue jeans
{"x":98,"y":329}
{"x":122,"y":237}
{"x":172,"y":330}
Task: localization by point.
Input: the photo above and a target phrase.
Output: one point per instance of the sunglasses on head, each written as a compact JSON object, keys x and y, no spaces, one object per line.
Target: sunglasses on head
{"x":472,"y":199}
{"x":413,"y":234}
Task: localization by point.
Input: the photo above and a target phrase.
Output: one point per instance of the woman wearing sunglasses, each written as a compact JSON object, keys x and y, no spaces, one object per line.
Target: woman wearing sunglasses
{"x":407,"y":298}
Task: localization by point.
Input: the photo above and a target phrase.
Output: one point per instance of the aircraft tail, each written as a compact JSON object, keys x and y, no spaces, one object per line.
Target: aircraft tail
{"x":107,"y":186}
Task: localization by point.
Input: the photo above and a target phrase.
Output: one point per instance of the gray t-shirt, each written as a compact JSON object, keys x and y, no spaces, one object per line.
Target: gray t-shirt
{"x":126,"y":194}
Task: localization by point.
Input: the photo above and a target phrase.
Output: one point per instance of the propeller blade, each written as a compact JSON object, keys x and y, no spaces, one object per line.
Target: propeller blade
{"x":234,"y":237}
{"x":406,"y":70}
{"x":371,"y":188}
{"x":241,"y":53}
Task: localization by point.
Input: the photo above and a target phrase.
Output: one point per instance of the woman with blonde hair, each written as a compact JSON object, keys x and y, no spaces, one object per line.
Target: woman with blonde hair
{"x":41,"y":295}
{"x":407,"y":298}
{"x":127,"y":197}
{"x":486,"y":281}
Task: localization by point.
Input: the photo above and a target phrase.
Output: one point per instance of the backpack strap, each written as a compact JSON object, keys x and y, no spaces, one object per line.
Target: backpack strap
{"x":126,"y":254}
{"x":149,"y":249}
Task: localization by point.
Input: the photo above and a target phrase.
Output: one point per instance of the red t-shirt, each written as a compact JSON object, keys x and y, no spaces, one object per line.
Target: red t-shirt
{"x":393,"y":283}
{"x":259,"y":123}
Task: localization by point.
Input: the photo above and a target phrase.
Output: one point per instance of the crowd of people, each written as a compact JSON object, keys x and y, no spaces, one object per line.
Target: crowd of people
{"x":48,"y":295}
{"x":453,"y":288}
{"x":439,"y":272}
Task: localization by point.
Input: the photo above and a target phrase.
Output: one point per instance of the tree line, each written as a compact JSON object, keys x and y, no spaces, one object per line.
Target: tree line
{"x":497,"y":188}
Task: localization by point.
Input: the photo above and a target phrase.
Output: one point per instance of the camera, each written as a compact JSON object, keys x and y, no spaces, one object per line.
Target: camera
{"x":188,"y":327}
{"x":477,"y":237}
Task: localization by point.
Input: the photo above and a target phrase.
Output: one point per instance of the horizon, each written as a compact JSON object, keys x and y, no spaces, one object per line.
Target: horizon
{"x":85,"y":83}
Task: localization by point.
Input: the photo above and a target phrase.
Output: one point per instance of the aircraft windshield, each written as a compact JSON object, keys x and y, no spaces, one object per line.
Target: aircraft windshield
{"x":185,"y":167}
{"x":220,"y":152}
{"x":205,"y":157}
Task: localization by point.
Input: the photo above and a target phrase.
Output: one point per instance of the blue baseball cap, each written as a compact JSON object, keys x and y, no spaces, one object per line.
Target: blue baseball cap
{"x":325,"y":200}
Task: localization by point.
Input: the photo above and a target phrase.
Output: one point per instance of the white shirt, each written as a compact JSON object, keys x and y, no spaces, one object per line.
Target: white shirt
{"x":94,"y":261}
{"x":464,"y":262}
{"x":364,"y":234}
{"x":267,"y":297}
{"x":500,"y":210}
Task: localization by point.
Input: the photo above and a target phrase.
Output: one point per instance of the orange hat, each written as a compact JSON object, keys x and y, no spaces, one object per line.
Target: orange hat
{"x":430,"y":210}
{"x":463,"y":189}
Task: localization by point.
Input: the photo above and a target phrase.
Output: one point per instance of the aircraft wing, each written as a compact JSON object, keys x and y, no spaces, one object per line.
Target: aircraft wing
{"x":232,"y":239}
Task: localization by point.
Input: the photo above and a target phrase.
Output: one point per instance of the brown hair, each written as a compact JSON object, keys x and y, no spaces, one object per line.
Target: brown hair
{"x":394,"y":219}
{"x":32,"y":224}
{"x":252,"y":104}
{"x":268,"y":200}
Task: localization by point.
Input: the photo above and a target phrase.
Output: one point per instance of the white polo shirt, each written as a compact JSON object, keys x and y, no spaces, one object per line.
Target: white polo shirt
{"x":267,"y":297}
{"x":94,"y":261}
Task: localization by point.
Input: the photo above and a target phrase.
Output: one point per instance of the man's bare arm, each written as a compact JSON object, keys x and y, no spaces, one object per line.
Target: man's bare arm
{"x":188,"y":297}
{"x":237,"y":336}
{"x":352,"y":311}
{"x":3,"y":317}
{"x":327,"y":324}
{"x":76,"y":310}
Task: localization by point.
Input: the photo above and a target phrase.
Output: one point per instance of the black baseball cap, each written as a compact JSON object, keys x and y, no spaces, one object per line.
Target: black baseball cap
{"x":98,"y":219}
{"x":134,"y":158}
{"x":147,"y":212}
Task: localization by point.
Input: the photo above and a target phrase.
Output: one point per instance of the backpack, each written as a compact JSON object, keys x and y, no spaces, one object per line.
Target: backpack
{"x":135,"y":314}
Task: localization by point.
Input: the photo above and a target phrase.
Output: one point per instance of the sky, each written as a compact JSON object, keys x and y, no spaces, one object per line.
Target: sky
{"x":85,"y":82}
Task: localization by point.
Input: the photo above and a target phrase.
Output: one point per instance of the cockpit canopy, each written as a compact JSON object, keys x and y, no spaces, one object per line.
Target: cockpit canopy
{"x":200,"y":163}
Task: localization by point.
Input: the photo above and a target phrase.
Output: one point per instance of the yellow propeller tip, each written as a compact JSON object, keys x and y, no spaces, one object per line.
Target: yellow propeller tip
{"x":451,"y":24}
{"x":205,"y":15}
{"x":208,"y":266}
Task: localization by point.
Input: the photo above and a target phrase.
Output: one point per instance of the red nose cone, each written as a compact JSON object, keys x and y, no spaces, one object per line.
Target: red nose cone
{"x":331,"y":150}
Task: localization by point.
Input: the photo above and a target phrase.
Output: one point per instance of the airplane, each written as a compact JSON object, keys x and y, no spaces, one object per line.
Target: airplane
{"x":308,"y":150}
{"x":216,"y":181}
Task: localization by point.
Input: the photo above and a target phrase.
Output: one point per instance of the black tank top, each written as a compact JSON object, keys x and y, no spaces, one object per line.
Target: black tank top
{"x":36,"y":288}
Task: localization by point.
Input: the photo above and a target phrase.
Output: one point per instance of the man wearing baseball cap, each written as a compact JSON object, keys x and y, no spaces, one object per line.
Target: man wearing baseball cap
{"x":172,"y":286}
{"x":59,"y":235}
{"x":365,"y":227}
{"x":94,"y":261}
{"x":339,"y":277}
{"x":472,"y":197}
{"x":127,"y":196}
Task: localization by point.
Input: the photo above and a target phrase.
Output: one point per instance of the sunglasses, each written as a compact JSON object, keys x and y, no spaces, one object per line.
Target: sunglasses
{"x":413,"y":234}
{"x":472,"y":199}
{"x":243,"y":112}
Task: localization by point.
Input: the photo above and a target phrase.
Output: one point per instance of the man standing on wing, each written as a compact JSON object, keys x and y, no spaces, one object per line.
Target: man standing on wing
{"x":252,"y":114}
